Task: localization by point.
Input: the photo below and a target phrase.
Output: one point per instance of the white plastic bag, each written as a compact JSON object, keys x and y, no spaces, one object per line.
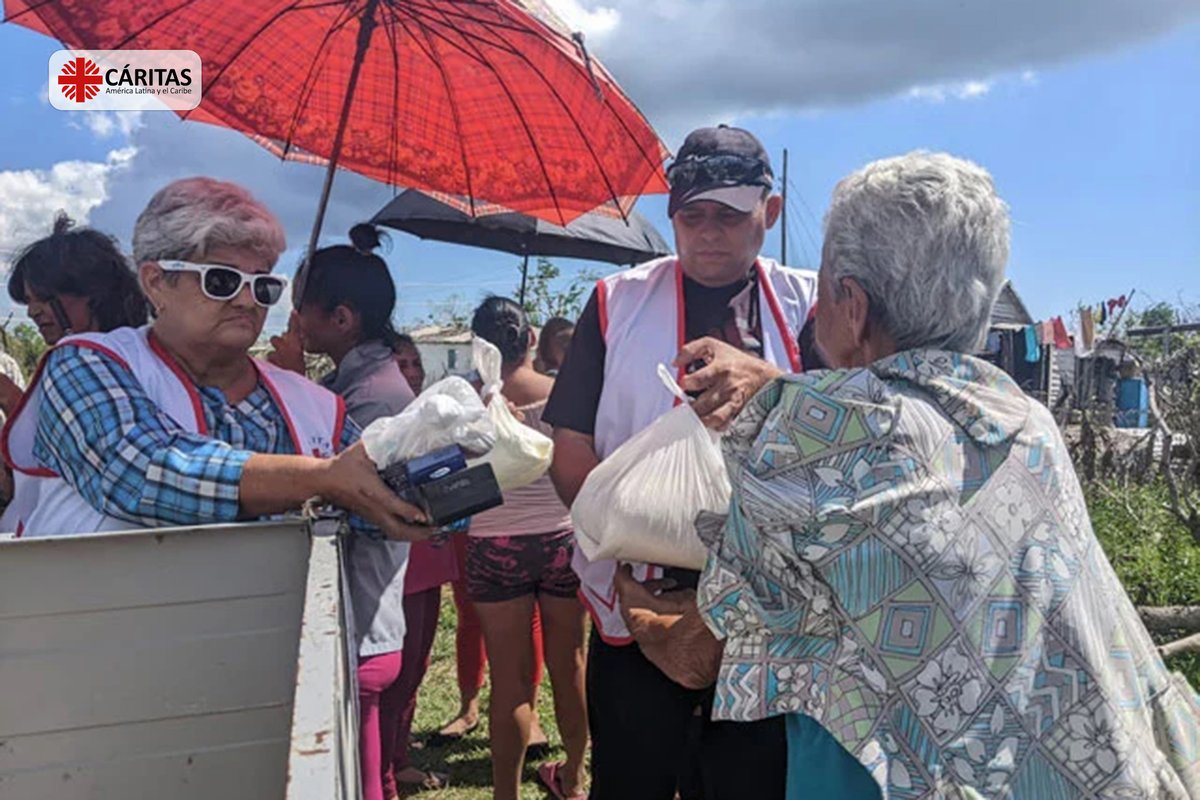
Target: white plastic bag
{"x":641,"y":503}
{"x":447,"y":413}
{"x":521,"y":455}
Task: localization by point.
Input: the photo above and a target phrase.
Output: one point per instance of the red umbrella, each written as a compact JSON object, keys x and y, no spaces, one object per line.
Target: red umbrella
{"x":476,"y":98}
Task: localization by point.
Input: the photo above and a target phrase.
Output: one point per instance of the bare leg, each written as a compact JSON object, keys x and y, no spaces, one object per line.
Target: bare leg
{"x":563,"y":620}
{"x":506,"y":626}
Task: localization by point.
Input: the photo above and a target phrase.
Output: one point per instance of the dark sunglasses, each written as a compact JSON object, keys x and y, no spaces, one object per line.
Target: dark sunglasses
{"x":222,"y":283}
{"x":731,"y":170}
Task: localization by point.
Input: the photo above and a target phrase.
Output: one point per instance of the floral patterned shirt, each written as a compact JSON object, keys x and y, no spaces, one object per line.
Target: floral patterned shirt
{"x":908,"y":559}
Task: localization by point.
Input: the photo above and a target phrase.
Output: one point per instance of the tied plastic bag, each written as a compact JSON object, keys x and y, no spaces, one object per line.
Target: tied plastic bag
{"x":641,"y":503}
{"x":447,"y":413}
{"x":521,"y":455}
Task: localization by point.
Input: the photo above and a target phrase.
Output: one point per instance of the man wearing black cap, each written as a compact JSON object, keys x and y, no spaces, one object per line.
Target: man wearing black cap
{"x":651,"y":737}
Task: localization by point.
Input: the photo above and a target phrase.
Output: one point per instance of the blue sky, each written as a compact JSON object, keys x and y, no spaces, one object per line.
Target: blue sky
{"x":1096,"y":150}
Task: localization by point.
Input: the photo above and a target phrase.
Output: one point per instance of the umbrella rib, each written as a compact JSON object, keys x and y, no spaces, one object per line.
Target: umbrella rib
{"x":310,"y":85}
{"x":524,"y":124}
{"x":454,"y":110}
{"x":393,"y":141}
{"x":517,"y":52}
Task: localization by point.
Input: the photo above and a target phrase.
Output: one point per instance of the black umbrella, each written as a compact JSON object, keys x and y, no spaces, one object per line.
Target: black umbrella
{"x":592,"y":237}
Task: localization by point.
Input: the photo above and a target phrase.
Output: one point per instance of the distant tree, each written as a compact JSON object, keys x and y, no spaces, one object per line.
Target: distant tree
{"x":1161,"y":315}
{"x":450,"y":312}
{"x":546,"y":297}
{"x":23,"y":343}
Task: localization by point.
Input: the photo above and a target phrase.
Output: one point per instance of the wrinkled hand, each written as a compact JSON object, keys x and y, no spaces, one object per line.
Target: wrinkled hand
{"x":10,"y":395}
{"x":727,"y":382}
{"x":352,"y":483}
{"x":287,"y":352}
{"x":669,"y":630}
{"x":649,"y":609}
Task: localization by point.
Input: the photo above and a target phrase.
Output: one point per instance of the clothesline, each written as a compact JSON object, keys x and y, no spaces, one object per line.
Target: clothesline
{"x":1086,"y":322}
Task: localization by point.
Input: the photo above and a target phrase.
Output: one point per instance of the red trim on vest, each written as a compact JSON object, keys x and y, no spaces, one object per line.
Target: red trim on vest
{"x":602,"y":307}
{"x":287,"y":417}
{"x":188,"y":385}
{"x":339,"y":427}
{"x":42,"y":472}
{"x":680,"y":323}
{"x":789,"y":340}
{"x":20,"y":529}
{"x":614,"y":641}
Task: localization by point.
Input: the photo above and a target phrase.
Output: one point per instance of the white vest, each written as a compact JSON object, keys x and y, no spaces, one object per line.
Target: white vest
{"x":44,"y":504}
{"x":643,"y":325}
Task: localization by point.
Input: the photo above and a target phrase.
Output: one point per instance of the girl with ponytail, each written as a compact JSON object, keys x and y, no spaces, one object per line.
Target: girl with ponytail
{"x":519,"y":563}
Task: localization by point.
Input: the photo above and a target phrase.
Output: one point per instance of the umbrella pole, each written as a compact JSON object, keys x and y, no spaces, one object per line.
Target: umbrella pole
{"x":524,"y":277}
{"x":366,"y":28}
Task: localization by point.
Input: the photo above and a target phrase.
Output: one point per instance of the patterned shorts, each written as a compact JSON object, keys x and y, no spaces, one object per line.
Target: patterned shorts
{"x":506,"y":567}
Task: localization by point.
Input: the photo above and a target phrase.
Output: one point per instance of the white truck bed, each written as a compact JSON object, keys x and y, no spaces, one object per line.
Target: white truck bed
{"x":178,"y":664}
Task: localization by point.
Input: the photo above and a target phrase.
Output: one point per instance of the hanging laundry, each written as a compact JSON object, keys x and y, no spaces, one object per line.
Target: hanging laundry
{"x":1112,"y":306}
{"x":1033,"y":345}
{"x":1082,"y":350}
{"x":1062,"y":340}
{"x":1122,"y":301}
{"x":1103,"y":313}
{"x":1087,"y":328}
{"x":1047,"y":333}
{"x":993,"y":343}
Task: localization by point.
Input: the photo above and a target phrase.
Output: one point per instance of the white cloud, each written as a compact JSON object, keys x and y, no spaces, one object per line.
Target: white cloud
{"x":33,"y":196}
{"x":103,"y":124}
{"x":592,"y":22}
{"x":939,"y":93}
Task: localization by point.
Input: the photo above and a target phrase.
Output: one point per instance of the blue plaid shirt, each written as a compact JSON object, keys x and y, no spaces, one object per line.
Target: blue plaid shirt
{"x":99,"y":430}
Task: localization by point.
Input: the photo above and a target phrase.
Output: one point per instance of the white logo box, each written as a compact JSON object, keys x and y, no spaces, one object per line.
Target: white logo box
{"x":125,"y":80}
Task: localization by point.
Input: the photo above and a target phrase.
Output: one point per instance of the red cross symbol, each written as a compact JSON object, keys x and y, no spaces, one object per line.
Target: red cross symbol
{"x":80,"y":79}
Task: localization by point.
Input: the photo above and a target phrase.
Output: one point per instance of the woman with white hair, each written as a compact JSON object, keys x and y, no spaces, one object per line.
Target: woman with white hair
{"x":907,"y":570}
{"x":173,"y":423}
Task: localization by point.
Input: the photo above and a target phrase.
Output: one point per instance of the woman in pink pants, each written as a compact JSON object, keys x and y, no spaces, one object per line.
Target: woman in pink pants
{"x":345,"y":313}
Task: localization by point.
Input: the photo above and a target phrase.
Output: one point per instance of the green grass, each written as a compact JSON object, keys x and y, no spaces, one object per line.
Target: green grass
{"x":468,"y":761}
{"x":1154,"y":556}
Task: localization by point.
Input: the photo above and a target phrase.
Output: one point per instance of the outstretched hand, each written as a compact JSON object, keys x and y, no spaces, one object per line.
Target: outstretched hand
{"x":728,"y":380}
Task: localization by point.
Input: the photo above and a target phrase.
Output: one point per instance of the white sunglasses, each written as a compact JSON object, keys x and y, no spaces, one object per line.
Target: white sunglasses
{"x":222,"y":282}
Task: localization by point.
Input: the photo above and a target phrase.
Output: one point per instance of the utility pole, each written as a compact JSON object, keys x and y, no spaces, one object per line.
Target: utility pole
{"x":783,"y":220}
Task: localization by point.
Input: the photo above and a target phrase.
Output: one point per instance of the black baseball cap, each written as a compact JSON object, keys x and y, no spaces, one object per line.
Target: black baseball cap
{"x":724,"y":164}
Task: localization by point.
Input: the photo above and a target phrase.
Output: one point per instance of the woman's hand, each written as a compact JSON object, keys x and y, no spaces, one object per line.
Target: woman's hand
{"x":669,"y":630}
{"x":727,"y":382}
{"x":351,"y":482}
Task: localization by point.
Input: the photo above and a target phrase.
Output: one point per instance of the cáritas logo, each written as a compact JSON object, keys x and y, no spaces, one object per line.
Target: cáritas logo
{"x":80,"y":79}
{"x":133,"y":80}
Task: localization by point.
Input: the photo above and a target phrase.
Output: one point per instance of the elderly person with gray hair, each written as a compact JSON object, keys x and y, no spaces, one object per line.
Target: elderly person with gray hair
{"x":174,"y":423}
{"x":907,"y":570}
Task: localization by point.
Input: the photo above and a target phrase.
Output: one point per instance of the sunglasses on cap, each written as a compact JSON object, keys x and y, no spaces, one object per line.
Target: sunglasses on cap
{"x":222,"y":283}
{"x":720,"y":169}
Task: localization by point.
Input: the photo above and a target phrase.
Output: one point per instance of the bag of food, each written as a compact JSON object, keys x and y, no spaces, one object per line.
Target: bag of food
{"x":520,"y":455}
{"x":447,"y":413}
{"x":641,"y":503}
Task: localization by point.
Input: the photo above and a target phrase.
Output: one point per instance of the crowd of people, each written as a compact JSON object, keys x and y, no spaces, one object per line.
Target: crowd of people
{"x":905,"y":598}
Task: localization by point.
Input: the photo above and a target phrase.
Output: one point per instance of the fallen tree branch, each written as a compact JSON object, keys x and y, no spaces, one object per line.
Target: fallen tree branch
{"x":1166,"y":619}
{"x":1190,"y":644}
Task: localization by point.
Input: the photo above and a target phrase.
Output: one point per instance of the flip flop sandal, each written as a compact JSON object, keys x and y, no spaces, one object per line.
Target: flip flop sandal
{"x":549,"y":775}
{"x":433,"y":782}
{"x":440,"y":739}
